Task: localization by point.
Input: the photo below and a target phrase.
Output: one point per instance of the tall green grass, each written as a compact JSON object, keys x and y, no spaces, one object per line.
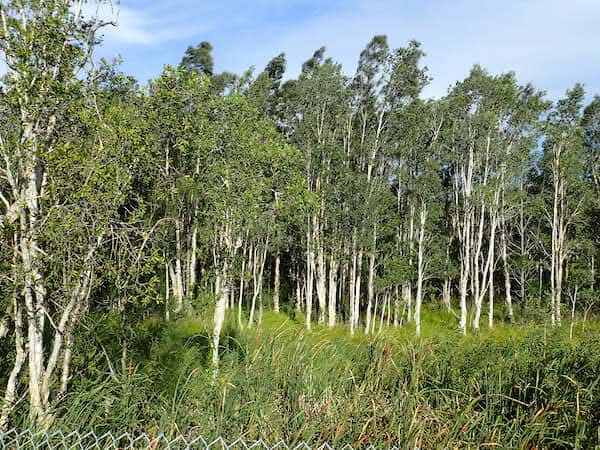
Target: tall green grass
{"x":514,"y":387}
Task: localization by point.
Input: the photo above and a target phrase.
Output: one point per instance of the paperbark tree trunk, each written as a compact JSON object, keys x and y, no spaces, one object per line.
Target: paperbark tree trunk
{"x":352,"y":284}
{"x":370,"y":290}
{"x":178,"y":282}
{"x":10,"y":393}
{"x":308,"y":286}
{"x":333,"y":273}
{"x":192,"y":263}
{"x":222,"y":289}
{"x":486,"y":274}
{"x":446,"y":296}
{"x":34,"y":291}
{"x":357,"y":288}
{"x":408,"y":303}
{"x":420,"y":267}
{"x":320,"y":270}
{"x":258,"y":269}
{"x":506,"y":269}
{"x":242,"y":284}
{"x":277,"y":282}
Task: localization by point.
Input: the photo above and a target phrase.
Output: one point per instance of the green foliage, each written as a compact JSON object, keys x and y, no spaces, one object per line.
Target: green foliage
{"x":199,"y":58}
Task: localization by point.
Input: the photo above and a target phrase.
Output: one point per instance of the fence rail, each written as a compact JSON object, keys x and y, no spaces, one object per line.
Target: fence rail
{"x":28,"y":439}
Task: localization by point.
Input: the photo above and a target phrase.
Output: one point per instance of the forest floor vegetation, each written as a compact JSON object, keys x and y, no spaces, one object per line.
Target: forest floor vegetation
{"x":516,"y":386}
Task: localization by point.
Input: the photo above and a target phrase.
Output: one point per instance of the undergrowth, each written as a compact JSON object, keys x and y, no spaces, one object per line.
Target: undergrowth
{"x":512,"y":387}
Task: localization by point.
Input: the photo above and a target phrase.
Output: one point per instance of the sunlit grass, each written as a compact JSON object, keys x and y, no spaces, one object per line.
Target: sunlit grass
{"x":515,"y":386}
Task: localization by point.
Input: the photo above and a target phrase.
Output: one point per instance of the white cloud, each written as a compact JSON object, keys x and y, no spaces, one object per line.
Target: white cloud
{"x":136,"y":27}
{"x":132,"y":28}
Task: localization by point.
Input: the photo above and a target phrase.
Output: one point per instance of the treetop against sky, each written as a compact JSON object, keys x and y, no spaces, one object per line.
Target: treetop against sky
{"x":546,"y":42}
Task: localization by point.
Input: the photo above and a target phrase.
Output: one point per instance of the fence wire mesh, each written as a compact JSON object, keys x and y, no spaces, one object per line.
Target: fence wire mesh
{"x":28,"y":439}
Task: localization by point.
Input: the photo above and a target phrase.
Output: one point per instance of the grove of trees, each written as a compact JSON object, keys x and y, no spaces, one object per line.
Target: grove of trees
{"x":339,"y":200}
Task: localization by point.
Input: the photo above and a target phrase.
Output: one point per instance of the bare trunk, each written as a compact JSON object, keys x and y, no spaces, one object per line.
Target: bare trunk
{"x":573,"y":303}
{"x":389,"y":305}
{"x":465,"y":268}
{"x":192,"y":263}
{"x":308,"y":286}
{"x":357,"y":288}
{"x":396,"y":305}
{"x":253,"y":264}
{"x":463,"y":190}
{"x":375,"y":309}
{"x":321,"y":279}
{"x":178,"y":282}
{"x":383,"y":307}
{"x":352,"y":284}
{"x":407,"y":294}
{"x":491,"y":292}
{"x":299,"y":295}
{"x":66,"y":365}
{"x":507,"y":284}
{"x":241,"y":288}
{"x":420,"y":268}
{"x":167,"y":293}
{"x":333,"y":271}
{"x":258,"y":270}
{"x":222,"y":290}
{"x":370,"y":289}
{"x":5,"y":321}
{"x":446,"y":296}
{"x":557,"y":257}
{"x":487,"y":272}
{"x":34,"y":293}
{"x":10,"y":394}
{"x":277,"y":283}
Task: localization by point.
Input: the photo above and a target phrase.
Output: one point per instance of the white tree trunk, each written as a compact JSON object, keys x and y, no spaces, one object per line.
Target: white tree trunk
{"x":241,"y":288}
{"x":352,"y":284}
{"x":357,"y":287}
{"x":253,"y":263}
{"x":333,"y":273}
{"x":446,"y":295}
{"x":222,"y":290}
{"x":370,"y":289}
{"x":396,"y":306}
{"x":299,"y":294}
{"x":320,"y":269}
{"x":192,"y":263}
{"x":10,"y":393}
{"x":506,"y":269}
{"x":277,"y":283}
{"x":167,"y":293}
{"x":491,"y":291}
{"x":573,"y":304}
{"x":408,"y":303}
{"x":308,"y":285}
{"x":487,"y":271}
{"x":420,"y":268}
{"x":178,"y":282}
{"x":258,"y":269}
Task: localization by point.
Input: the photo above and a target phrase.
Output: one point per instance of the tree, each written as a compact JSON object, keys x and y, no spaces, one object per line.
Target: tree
{"x":178,"y":124}
{"x":199,"y":58}
{"x":63,"y":177}
{"x":564,"y":191}
{"x":490,"y":134}
{"x":251,"y":173}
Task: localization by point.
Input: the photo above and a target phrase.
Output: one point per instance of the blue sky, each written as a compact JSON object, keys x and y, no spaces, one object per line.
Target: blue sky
{"x":551,"y":43}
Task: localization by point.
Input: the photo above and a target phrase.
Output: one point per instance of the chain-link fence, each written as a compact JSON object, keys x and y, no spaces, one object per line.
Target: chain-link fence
{"x":27,"y":439}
